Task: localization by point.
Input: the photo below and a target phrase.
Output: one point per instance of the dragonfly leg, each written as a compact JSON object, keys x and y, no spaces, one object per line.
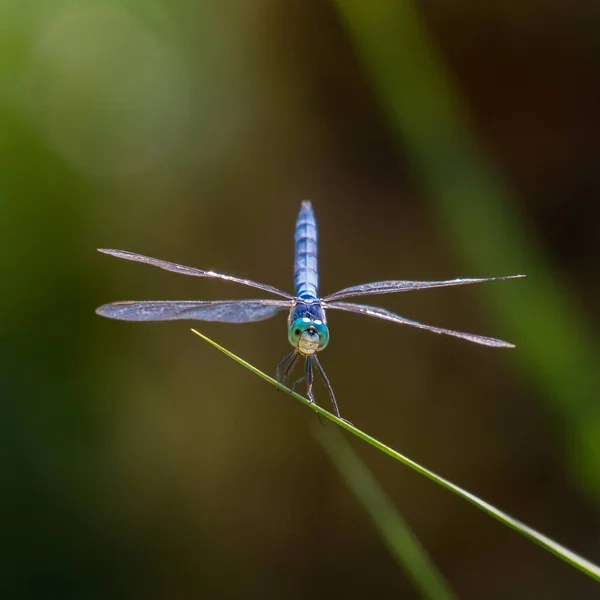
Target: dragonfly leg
{"x":293,"y":386}
{"x":292,"y":356}
{"x":310,"y":378}
{"x":289,"y":368}
{"x":329,"y":389}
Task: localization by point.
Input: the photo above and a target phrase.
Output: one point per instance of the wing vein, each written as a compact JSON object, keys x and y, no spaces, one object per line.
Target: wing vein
{"x":382,"y":313}
{"x":224,"y":311}
{"x":394,"y":286}
{"x":184,"y":270}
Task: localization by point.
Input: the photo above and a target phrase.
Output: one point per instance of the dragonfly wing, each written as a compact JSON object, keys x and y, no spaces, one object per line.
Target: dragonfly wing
{"x":382,"y":313}
{"x":225,"y":311}
{"x":391,"y":287}
{"x":169,"y":266}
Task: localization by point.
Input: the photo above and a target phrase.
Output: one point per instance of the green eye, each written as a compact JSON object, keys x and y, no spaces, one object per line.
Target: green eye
{"x":323,"y":332}
{"x":295,"y":331}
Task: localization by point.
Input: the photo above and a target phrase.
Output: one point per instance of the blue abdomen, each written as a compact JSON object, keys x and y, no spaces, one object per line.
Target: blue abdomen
{"x":306,"y":277}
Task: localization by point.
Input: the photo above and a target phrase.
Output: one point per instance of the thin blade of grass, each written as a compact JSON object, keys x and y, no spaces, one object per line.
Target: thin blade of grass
{"x":400,"y":540}
{"x":481,"y":210}
{"x":540,"y":539}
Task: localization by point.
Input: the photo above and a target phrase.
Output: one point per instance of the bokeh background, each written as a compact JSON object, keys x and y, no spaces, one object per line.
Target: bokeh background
{"x":436,"y":140}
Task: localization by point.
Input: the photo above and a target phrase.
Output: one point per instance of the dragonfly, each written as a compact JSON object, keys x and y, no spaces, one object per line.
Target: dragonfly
{"x":308,"y":332}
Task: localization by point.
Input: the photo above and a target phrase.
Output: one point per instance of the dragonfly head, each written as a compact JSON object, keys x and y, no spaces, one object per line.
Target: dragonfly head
{"x":308,"y":335}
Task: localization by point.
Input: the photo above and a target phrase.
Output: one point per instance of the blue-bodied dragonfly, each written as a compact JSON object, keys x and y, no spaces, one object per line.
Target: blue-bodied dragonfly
{"x":307,"y":323}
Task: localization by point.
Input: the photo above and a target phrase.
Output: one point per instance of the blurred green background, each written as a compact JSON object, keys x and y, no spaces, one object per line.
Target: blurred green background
{"x":458,"y":140}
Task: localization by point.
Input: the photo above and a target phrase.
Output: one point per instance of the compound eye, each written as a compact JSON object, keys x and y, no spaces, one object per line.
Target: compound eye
{"x":323,"y":332}
{"x":296,"y":329}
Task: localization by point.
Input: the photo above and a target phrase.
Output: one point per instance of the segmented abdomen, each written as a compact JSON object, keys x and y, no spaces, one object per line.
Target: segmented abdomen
{"x":306,"y":277}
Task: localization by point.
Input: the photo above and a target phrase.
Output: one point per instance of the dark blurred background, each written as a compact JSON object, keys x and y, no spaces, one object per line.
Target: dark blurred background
{"x":138,"y":462}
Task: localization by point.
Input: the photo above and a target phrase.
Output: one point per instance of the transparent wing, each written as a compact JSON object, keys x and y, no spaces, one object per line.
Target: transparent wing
{"x":391,"y":287}
{"x":225,"y":311}
{"x":381,"y":313}
{"x":169,"y":266}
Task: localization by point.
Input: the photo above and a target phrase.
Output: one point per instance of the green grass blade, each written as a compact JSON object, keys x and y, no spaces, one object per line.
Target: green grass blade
{"x":481,"y":212}
{"x":398,"y":537}
{"x":545,"y":542}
